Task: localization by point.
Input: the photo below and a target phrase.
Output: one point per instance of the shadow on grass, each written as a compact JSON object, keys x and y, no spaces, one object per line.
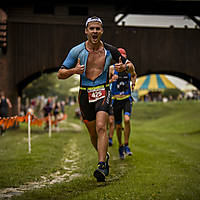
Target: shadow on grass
{"x":192,"y":133}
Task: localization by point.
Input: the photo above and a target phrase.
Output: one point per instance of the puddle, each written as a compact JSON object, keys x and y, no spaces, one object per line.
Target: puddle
{"x":69,"y":165}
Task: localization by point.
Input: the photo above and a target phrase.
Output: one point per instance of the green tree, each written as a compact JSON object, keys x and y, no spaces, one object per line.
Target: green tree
{"x":50,"y":85}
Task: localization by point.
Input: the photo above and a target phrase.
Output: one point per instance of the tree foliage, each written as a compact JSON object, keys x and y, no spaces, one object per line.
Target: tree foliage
{"x":50,"y":85}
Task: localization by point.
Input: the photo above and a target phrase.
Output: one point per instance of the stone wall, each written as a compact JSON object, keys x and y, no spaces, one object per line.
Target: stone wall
{"x":6,"y":83}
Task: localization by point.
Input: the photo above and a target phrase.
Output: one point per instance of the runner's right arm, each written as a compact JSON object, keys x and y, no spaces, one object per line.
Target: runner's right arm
{"x":65,"y":73}
{"x":71,"y":65}
{"x":112,"y":77}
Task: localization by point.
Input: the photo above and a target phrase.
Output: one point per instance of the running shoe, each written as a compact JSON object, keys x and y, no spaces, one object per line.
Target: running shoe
{"x":128,"y":151}
{"x":110,"y":142}
{"x":99,"y":173}
{"x":106,"y":164}
{"x":121,"y":152}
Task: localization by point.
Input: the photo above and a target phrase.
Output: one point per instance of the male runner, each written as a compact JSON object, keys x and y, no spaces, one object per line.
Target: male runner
{"x":122,"y":102}
{"x":91,"y":59}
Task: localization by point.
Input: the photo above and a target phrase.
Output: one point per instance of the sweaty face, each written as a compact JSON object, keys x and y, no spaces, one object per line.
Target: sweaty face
{"x":94,"y":32}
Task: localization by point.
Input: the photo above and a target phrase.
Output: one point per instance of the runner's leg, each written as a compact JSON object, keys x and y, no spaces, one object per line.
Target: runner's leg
{"x":126,"y":128}
{"x":127,"y":115}
{"x":101,"y":127}
{"x":119,"y":133}
{"x":91,"y":126}
{"x":111,"y":126}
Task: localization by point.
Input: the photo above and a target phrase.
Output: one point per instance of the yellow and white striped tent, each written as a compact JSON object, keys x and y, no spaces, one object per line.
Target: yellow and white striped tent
{"x":152,"y":82}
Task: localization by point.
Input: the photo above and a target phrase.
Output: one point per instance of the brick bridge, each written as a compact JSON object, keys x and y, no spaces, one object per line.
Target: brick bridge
{"x":40,"y":35}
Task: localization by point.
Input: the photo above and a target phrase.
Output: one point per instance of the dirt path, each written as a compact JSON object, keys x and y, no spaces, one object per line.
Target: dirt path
{"x":68,"y":163}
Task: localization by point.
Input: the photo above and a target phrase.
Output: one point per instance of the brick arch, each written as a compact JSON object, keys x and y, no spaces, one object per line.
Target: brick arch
{"x":3,"y":48}
{"x":39,"y":43}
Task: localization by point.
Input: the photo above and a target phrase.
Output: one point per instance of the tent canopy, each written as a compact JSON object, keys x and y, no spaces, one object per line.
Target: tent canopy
{"x":152,"y":82}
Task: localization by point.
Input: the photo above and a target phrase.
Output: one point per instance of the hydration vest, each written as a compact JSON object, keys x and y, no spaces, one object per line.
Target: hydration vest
{"x":122,"y":85}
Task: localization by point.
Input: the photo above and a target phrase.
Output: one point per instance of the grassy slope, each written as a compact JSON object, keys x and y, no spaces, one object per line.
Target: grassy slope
{"x":165,"y":141}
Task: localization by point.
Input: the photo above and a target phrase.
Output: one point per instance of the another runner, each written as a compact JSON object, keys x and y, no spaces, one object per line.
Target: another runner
{"x":122,"y":102}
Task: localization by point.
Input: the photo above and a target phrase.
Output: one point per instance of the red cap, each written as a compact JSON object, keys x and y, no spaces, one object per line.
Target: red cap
{"x":122,"y":51}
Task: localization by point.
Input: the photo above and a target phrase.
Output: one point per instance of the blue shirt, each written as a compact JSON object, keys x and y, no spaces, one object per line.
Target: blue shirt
{"x":81,"y":52}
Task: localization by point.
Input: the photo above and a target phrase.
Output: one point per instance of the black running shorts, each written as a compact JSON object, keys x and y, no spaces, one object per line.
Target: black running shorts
{"x":122,"y":105}
{"x":89,"y":110}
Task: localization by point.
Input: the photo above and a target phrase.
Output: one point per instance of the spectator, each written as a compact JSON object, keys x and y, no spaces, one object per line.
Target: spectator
{"x":47,"y":112}
{"x":56,"y":111}
{"x":78,"y":113}
{"x":30,"y":109}
{"x":62,"y":107}
{"x":122,"y":102}
{"x":5,"y":106}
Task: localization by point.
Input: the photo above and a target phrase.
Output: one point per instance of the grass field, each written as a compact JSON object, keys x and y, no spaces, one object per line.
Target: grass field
{"x":165,"y":165}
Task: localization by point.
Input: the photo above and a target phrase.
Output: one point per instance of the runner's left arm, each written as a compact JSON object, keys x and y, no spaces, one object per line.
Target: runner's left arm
{"x":122,"y":63}
{"x":131,"y":70}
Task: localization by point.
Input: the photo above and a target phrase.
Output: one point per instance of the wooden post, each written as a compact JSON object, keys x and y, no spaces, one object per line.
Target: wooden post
{"x":29,"y":133}
{"x":49,"y":125}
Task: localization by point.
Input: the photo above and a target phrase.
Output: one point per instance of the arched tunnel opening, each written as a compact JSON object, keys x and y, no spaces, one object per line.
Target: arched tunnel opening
{"x":42,"y":86}
{"x":37,"y":90}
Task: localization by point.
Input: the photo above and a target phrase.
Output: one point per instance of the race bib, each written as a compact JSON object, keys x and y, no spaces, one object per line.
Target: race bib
{"x":96,"y":94}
